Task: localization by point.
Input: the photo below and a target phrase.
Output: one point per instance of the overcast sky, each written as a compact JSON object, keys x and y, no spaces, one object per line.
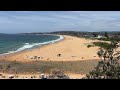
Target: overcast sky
{"x":46,"y":21}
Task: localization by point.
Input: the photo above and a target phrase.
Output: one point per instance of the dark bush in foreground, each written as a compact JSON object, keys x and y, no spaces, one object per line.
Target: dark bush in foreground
{"x":88,"y":46}
{"x":58,"y":74}
{"x":108,"y":67}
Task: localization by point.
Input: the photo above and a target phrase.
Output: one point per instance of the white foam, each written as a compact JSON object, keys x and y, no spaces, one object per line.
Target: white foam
{"x":28,"y":45}
{"x":25,"y":47}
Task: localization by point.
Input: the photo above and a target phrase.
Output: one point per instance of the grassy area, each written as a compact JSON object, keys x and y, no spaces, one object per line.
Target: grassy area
{"x":109,"y":39}
{"x":88,"y":37}
{"x":45,"y":66}
{"x":102,"y":44}
{"x":103,"y":39}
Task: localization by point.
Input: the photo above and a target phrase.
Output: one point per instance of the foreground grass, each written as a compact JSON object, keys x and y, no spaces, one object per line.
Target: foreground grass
{"x":46,"y":66}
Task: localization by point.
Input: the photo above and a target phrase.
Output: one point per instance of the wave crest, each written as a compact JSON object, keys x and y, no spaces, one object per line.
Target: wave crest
{"x":28,"y":45}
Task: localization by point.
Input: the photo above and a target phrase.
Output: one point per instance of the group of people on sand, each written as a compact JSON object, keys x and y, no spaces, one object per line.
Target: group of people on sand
{"x":36,"y":57}
{"x":11,"y":76}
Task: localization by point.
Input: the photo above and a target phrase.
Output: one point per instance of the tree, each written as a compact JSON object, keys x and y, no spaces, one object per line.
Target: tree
{"x":106,"y":35}
{"x":94,"y":34}
{"x":108,"y":67}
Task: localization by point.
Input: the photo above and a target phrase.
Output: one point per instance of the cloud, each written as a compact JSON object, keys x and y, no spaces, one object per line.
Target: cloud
{"x":66,"y":16}
{"x":59,"y":20}
{"x":33,"y":18}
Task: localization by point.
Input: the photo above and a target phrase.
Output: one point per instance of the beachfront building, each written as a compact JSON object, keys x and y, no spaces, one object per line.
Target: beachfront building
{"x":99,"y":36}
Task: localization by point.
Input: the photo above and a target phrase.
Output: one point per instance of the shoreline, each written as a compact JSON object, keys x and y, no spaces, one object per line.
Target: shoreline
{"x":70,"y":48}
{"x":42,"y":45}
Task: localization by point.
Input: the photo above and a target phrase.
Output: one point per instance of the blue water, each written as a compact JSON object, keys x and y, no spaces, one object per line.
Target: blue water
{"x":10,"y":43}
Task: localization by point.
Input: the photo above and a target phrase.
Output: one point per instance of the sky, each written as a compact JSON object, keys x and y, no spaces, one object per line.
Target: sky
{"x":48,"y":21}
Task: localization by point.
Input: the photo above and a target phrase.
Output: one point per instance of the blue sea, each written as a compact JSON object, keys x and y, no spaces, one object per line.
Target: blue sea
{"x":10,"y":43}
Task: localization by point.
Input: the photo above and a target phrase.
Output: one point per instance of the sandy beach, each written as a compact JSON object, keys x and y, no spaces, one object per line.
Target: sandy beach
{"x":36,"y":76}
{"x":69,"y":49}
{"x":59,"y":45}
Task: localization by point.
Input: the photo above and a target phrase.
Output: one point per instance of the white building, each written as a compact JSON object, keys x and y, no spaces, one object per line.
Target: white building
{"x":99,"y":36}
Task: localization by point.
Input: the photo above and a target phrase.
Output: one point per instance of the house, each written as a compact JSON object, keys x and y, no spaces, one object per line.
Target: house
{"x":99,"y":36}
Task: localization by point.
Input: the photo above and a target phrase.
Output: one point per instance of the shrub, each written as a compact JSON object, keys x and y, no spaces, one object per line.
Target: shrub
{"x":90,"y":46}
{"x":58,"y":74}
{"x":108,"y":67}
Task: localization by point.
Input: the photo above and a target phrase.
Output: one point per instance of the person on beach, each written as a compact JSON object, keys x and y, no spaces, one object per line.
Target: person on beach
{"x":59,"y":55}
{"x":43,"y":76}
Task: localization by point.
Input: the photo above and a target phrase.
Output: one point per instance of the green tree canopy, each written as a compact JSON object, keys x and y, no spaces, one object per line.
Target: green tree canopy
{"x":108,"y":67}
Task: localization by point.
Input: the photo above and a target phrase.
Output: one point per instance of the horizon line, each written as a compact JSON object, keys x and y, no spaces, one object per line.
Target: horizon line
{"x":58,"y":31}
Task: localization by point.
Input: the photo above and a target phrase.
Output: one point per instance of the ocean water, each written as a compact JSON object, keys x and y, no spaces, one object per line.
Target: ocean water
{"x":10,"y":43}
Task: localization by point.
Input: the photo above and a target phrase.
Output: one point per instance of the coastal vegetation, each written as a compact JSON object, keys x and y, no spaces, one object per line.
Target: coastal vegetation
{"x":58,"y":74}
{"x":104,"y":45}
{"x":90,"y":45}
{"x":110,"y":39}
{"x":109,"y":66}
{"x":104,"y":35}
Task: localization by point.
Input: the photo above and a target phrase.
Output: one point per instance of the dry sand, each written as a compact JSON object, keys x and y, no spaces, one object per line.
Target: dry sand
{"x":36,"y":76}
{"x":71,"y":49}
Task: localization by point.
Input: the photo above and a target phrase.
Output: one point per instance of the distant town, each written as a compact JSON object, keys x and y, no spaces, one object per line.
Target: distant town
{"x":97,"y":35}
